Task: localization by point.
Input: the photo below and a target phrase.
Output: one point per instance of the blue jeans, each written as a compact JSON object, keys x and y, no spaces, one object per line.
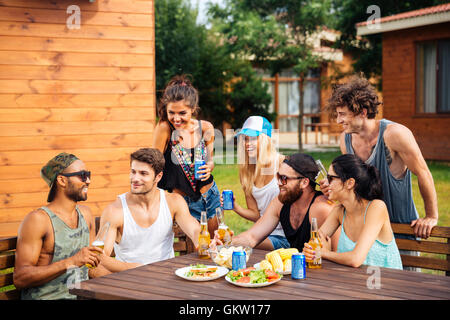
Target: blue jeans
{"x":279,"y":242}
{"x":209,"y":201}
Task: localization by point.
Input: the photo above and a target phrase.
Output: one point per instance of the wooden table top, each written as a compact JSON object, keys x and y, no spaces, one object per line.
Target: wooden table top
{"x":158,"y":281}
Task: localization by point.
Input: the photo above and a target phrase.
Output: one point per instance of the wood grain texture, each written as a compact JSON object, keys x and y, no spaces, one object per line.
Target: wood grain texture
{"x":76,"y":100}
{"x":50,"y":44}
{"x":332,"y":282}
{"x":99,"y":6}
{"x":89,"y":91}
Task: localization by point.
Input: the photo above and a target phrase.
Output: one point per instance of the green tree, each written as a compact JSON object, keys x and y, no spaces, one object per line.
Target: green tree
{"x":273,"y":34}
{"x":367,"y":50}
{"x":182,"y":46}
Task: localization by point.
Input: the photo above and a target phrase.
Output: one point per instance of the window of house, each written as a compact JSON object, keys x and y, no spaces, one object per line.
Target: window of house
{"x":433,"y":77}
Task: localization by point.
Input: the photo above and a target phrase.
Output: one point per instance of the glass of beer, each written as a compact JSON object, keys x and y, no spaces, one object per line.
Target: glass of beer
{"x":99,"y":241}
{"x":322,"y":174}
{"x":224,"y":231}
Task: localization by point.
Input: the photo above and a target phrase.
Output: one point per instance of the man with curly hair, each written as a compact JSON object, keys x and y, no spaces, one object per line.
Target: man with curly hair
{"x":390,"y":147}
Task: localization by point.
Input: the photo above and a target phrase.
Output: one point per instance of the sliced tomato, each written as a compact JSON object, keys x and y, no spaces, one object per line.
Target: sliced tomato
{"x":236,"y":273}
{"x":244,"y":280}
{"x":272,"y":279}
{"x":271,"y":274}
{"x":246,"y":271}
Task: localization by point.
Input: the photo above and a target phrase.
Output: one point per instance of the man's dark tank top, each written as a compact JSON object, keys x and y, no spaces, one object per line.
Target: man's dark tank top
{"x":297,"y":238}
{"x":397,"y":193}
{"x":173,"y":175}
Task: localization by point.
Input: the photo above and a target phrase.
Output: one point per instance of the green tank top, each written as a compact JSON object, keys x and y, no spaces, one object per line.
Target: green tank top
{"x":67,"y":243}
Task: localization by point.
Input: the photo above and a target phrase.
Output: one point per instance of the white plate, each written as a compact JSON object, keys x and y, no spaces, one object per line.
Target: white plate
{"x":256,"y":266}
{"x":221,"y":271}
{"x":251,"y":285}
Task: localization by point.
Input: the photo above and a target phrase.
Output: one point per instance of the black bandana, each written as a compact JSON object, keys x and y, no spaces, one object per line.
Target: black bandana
{"x":304,"y":164}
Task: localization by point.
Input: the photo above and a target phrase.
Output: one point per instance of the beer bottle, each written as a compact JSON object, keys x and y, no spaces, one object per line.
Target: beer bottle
{"x":316,"y":245}
{"x":224,"y":231}
{"x":204,"y":237}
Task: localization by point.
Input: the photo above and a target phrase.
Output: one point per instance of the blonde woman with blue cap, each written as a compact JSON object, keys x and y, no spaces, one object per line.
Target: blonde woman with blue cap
{"x":258,"y":163}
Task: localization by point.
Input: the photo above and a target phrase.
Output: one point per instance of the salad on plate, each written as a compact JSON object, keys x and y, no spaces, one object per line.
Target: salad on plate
{"x":252,"y":277}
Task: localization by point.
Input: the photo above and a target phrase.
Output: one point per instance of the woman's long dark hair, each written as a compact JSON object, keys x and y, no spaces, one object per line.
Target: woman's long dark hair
{"x":367,"y":178}
{"x":179,"y":88}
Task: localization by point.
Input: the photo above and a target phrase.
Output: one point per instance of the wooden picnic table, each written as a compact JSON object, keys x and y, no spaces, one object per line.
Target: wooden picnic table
{"x":158,"y":281}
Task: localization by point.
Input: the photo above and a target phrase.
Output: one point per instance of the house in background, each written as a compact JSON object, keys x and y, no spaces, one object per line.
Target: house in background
{"x":416,"y":74}
{"x":284,"y":88}
{"x":88,"y":91}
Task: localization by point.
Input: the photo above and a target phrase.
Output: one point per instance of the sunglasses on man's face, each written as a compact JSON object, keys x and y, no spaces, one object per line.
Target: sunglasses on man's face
{"x":83,"y":174}
{"x":331,"y":177}
{"x":284,"y":179}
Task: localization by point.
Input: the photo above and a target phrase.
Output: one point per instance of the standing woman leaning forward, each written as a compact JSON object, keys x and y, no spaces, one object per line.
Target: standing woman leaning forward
{"x":366,"y":236}
{"x":183,"y":139}
{"x":258,"y":164}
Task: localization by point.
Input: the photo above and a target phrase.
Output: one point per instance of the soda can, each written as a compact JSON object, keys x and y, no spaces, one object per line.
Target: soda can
{"x":228,"y":203}
{"x":239,"y":260}
{"x":198,"y":164}
{"x":298,"y":266}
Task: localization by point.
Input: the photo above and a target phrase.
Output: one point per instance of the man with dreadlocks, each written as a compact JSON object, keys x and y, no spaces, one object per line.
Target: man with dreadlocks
{"x":390,"y":147}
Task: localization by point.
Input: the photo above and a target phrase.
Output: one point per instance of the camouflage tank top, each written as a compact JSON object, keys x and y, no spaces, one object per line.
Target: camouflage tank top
{"x":67,"y":243}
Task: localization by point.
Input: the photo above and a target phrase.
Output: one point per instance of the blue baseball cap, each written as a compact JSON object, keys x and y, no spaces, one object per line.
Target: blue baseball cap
{"x":255,"y":125}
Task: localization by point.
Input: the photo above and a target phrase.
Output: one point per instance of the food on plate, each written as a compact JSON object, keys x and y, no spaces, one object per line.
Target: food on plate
{"x":265,"y":264}
{"x":287,"y":253}
{"x":252,"y":275}
{"x":276,"y":261}
{"x":201,"y":271}
{"x":223,"y":256}
{"x":279,"y":260}
{"x":287,"y":265}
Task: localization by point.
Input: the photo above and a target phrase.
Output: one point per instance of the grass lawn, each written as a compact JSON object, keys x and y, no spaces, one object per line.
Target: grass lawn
{"x":227,"y":177}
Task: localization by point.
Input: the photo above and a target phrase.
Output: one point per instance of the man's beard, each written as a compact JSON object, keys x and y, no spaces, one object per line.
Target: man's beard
{"x":290,"y":196}
{"x":74,"y":194}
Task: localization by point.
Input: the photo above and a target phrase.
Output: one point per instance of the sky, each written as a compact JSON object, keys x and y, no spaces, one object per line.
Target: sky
{"x":201,"y":18}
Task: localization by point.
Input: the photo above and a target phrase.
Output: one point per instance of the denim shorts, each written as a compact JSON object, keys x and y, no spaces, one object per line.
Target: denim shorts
{"x":209,"y":201}
{"x":279,"y":242}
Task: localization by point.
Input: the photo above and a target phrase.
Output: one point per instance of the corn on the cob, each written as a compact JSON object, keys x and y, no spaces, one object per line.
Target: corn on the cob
{"x":274,"y":252}
{"x":265,"y":265}
{"x":287,"y":265}
{"x":287,"y":253}
{"x":275,"y":259}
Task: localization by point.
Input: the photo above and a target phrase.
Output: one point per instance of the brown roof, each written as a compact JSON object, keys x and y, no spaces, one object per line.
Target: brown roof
{"x":411,"y":14}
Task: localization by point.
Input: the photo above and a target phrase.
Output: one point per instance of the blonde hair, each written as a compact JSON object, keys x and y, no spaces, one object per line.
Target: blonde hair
{"x":267,"y":158}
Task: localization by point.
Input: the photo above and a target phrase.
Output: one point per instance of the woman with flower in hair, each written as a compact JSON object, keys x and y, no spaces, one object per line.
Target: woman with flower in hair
{"x":258,"y":163}
{"x":183,"y":139}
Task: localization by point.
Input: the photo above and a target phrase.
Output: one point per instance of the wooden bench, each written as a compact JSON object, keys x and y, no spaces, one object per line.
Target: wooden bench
{"x":182,"y":245}
{"x":425,"y":246}
{"x":7,"y":258}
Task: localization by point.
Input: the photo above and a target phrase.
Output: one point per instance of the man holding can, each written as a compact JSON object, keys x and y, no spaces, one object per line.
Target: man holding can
{"x":297,"y":203}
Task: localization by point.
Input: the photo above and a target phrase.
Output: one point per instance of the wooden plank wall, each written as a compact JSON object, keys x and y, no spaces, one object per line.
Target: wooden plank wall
{"x":87,"y":91}
{"x":399,"y":89}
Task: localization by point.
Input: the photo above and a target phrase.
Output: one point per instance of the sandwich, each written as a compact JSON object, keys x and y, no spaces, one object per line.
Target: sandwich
{"x":201,"y":271}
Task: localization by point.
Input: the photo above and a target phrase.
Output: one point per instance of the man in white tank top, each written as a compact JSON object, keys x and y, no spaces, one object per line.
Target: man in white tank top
{"x":141,"y":220}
